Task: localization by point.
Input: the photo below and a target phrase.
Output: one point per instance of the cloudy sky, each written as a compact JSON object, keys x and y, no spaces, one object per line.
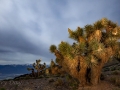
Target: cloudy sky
{"x":29,"y":27}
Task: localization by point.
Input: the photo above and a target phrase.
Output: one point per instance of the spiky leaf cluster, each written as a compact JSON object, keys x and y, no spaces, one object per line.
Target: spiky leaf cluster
{"x":91,"y":61}
{"x":53,"y":48}
{"x":75,"y":34}
{"x":88,"y":30}
{"x":98,"y":25}
{"x":108,"y":23}
{"x":66,"y":49}
{"x":82,"y":47}
{"x":96,"y":46}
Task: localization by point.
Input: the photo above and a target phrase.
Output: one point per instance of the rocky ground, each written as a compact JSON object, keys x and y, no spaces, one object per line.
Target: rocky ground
{"x":111,"y":81}
{"x":53,"y":83}
{"x":45,"y":83}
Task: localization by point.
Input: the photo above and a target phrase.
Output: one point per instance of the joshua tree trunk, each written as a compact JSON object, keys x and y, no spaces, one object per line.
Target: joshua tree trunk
{"x":82,"y":77}
{"x":95,"y":75}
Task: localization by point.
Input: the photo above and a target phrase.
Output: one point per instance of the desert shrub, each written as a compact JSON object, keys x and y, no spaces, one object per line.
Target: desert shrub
{"x":106,"y":69}
{"x":113,"y":68}
{"x":118,"y":68}
{"x":59,"y":82}
{"x":115,"y":80}
{"x":116,"y":88}
{"x":51,"y":80}
{"x":27,"y":88}
{"x":2,"y":89}
{"x":116,"y":72}
{"x":16,"y":86}
{"x":112,"y":79}
{"x":72,"y":82}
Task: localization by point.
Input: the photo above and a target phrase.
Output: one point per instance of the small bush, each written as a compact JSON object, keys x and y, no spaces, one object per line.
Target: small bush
{"x":112,"y":79}
{"x":2,"y":88}
{"x":118,"y":68}
{"x":117,"y":88}
{"x":59,"y":82}
{"x":51,"y":80}
{"x":27,"y":89}
{"x":113,"y":68}
{"x":73,"y":83}
{"x":115,"y":72}
{"x":106,"y":69}
{"x":115,"y":80}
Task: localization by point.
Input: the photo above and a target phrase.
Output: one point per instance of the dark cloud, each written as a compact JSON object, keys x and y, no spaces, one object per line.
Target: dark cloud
{"x":27,"y":29}
{"x":18,"y":43}
{"x":2,"y":50}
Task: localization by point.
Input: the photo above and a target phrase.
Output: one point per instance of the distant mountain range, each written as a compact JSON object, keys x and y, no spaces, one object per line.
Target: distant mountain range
{"x":7,"y":69}
{"x":11,"y":71}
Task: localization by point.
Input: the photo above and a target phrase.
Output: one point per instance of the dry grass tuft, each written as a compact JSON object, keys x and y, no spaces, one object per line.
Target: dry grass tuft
{"x":2,"y":89}
{"x":115,"y":80}
{"x":116,"y":72}
{"x":27,"y":88}
{"x":59,"y":82}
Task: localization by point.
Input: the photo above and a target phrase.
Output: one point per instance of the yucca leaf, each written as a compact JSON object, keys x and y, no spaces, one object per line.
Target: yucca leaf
{"x":53,"y":48}
{"x":98,"y":25}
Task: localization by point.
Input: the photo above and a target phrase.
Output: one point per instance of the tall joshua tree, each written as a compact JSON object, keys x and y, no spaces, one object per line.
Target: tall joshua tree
{"x":94,"y":46}
{"x":39,"y":67}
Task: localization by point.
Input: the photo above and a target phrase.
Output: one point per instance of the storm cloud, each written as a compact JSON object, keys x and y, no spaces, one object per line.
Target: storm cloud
{"x":29,"y":27}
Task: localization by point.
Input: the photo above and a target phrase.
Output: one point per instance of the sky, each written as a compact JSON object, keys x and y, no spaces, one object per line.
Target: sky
{"x":29,"y":27}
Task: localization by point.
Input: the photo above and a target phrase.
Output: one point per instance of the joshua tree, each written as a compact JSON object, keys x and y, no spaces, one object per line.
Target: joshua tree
{"x":94,"y":46}
{"x":39,"y":67}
